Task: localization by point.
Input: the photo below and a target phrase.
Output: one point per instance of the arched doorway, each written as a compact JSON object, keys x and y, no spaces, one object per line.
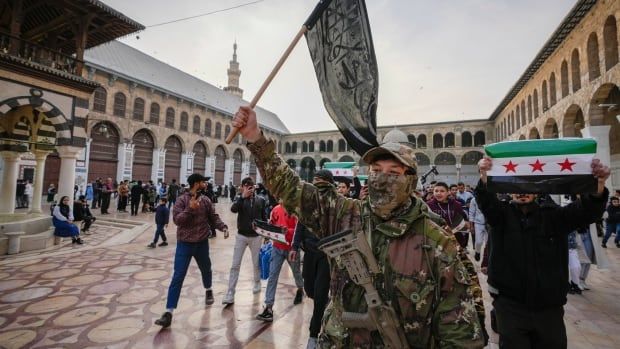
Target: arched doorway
{"x":323,"y":161}
{"x":551,"y":129}
{"x":143,"y":155}
{"x":534,"y":134}
{"x":174,"y":149}
{"x":103,"y":159}
{"x":604,"y":108}
{"x":308,"y":166}
{"x":471,"y":158}
{"x":238,"y":167}
{"x":200,"y":158}
{"x":573,"y":122}
{"x":346,"y":158}
{"x":445,"y":159}
{"x":220,"y":164}
{"x":422,"y":159}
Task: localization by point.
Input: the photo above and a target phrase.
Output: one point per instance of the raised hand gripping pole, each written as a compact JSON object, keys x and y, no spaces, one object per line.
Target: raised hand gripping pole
{"x":314,"y":16}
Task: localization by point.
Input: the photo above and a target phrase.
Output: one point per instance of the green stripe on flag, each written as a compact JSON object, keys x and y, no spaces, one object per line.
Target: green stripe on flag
{"x":541,"y":147}
{"x":330,"y":165}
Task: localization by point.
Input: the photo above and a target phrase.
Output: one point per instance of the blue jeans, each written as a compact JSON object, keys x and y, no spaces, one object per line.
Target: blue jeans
{"x":184,"y":253}
{"x":612,"y":228}
{"x":278,"y":257}
{"x":159,"y":231}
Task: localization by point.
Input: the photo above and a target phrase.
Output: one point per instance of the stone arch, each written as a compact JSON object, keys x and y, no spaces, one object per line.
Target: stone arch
{"x":466,"y":139}
{"x":330,"y":146}
{"x":422,"y":141}
{"x":138,"y":109}
{"x":471,"y":157}
{"x":196,"y":125}
{"x":221,"y":155}
{"x":120,"y":104}
{"x":170,"y":116}
{"x":479,"y":139}
{"x":103,"y":158}
{"x":445,"y":158}
{"x":518,"y":117}
{"x":533,"y":134}
{"x":174,"y":150}
{"x":437,"y":140}
{"x":346,"y":158}
{"x":422,"y":159}
{"x":522,"y":112}
{"x":307,"y":168}
{"x":342,"y":145}
{"x":564,"y":79}
{"x":449,"y":140}
{"x":601,"y":103}
{"x":522,"y":137}
{"x":535,"y":103}
{"x":551,"y":129}
{"x":322,"y":147}
{"x":573,"y":122}
{"x":311,"y":146}
{"x":237,"y":166}
{"x":294,"y":147}
{"x":53,"y":115}
{"x":208,"y":128}
{"x":594,"y":65}
{"x":604,"y":108}
{"x":144,"y":145}
{"x":529,"y":108}
{"x":575,"y":69}
{"x":552,"y":90}
{"x":545,"y":97}
{"x":411,"y":138}
{"x":154,"y":114}
{"x":304,"y":147}
{"x":201,"y":151}
{"x":610,"y":42}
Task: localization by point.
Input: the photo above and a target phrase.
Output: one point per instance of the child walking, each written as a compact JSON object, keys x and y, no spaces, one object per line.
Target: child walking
{"x":162,"y":216}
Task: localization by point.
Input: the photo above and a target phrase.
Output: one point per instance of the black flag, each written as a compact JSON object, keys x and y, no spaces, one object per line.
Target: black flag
{"x":341,"y":48}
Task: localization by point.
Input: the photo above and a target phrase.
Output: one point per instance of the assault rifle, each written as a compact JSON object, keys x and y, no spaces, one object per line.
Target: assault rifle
{"x":433,"y":170}
{"x":357,"y":257}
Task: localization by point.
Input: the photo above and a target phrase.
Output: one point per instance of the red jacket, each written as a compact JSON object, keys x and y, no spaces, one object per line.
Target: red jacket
{"x":281,"y":218}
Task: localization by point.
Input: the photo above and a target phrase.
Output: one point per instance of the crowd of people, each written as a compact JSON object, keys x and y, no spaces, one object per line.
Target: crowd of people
{"x":425,"y":289}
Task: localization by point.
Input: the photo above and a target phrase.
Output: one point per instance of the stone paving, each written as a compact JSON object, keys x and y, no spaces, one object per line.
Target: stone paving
{"x":108,"y":297}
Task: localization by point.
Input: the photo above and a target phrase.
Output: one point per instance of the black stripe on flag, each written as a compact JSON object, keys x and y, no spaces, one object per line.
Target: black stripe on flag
{"x":573,"y":184}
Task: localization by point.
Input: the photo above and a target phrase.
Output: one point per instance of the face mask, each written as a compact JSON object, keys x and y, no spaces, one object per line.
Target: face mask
{"x":387,"y":192}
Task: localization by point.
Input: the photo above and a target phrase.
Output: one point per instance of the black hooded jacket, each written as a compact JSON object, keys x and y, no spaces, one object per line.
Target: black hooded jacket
{"x":528,"y":260}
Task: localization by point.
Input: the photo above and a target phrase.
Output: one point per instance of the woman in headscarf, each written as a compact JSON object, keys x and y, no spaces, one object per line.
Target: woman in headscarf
{"x":62,"y":217}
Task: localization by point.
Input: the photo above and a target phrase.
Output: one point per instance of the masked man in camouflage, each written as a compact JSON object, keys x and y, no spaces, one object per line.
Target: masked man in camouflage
{"x":421,"y":277}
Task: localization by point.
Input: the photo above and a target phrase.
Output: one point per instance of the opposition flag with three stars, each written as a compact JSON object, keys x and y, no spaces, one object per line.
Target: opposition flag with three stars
{"x":553,"y":166}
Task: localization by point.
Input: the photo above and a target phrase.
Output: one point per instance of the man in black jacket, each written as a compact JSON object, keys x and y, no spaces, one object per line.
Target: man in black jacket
{"x":248,"y":207}
{"x":81,"y":213}
{"x":528,"y":260}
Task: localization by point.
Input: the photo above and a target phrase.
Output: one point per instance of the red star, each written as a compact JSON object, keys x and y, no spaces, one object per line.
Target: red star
{"x":566,"y":165}
{"x":511,"y":167}
{"x":537,"y":166}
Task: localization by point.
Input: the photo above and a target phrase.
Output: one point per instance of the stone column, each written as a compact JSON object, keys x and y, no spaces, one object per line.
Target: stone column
{"x":9,"y":180}
{"x":603,"y":150}
{"x":208,"y":167}
{"x":228,"y":172}
{"x":66,"y":181}
{"x":187,"y":166}
{"x":125,"y":161}
{"x":245,"y":169}
{"x":39,"y":174}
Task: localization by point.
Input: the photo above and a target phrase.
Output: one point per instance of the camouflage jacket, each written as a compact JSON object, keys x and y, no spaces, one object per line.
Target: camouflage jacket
{"x":422,"y":277}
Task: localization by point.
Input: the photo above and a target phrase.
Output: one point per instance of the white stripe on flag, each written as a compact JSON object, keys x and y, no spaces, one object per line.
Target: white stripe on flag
{"x":343,"y":172}
{"x":552,"y":165}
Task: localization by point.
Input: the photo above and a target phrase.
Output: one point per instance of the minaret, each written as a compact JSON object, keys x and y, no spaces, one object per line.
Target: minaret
{"x":233,"y":75}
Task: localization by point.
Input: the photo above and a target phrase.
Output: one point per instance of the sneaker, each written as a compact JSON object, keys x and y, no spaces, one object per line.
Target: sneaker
{"x":604,"y":245}
{"x":163,"y":243}
{"x":165,"y":320}
{"x":574,"y":288}
{"x":79,"y":241}
{"x":209,"y":297}
{"x":151,"y":245}
{"x":257,"y":287}
{"x":266,"y":315}
{"x":477,"y":256}
{"x":228,"y":299}
{"x":312,"y":342}
{"x":298,"y":296}
{"x":583,"y":286}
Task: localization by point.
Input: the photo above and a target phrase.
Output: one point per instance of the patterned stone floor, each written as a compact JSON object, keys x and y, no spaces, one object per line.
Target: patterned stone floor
{"x":108,"y":297}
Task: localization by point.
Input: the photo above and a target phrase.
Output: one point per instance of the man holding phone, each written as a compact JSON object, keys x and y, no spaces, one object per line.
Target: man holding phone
{"x":248,"y":207}
{"x":194,"y":215}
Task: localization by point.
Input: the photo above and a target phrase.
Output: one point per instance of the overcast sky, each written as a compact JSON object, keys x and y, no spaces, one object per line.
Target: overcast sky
{"x":438,"y":60}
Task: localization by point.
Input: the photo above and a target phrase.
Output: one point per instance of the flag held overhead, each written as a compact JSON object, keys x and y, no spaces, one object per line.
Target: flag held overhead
{"x":552,"y":166}
{"x":343,"y":55}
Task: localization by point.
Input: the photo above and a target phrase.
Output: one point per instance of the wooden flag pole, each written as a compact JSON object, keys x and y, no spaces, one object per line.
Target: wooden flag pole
{"x":273,"y":73}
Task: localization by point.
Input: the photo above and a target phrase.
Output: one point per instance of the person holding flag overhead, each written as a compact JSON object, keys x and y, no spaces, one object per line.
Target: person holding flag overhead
{"x":528,"y":265}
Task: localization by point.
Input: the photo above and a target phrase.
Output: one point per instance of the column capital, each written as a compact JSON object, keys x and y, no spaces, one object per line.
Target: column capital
{"x":67,"y":151}
{"x":40,"y":154}
{"x":10,"y":155}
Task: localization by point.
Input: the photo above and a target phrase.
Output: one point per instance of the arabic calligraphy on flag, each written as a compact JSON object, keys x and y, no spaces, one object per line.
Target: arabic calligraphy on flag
{"x":554,"y":166}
